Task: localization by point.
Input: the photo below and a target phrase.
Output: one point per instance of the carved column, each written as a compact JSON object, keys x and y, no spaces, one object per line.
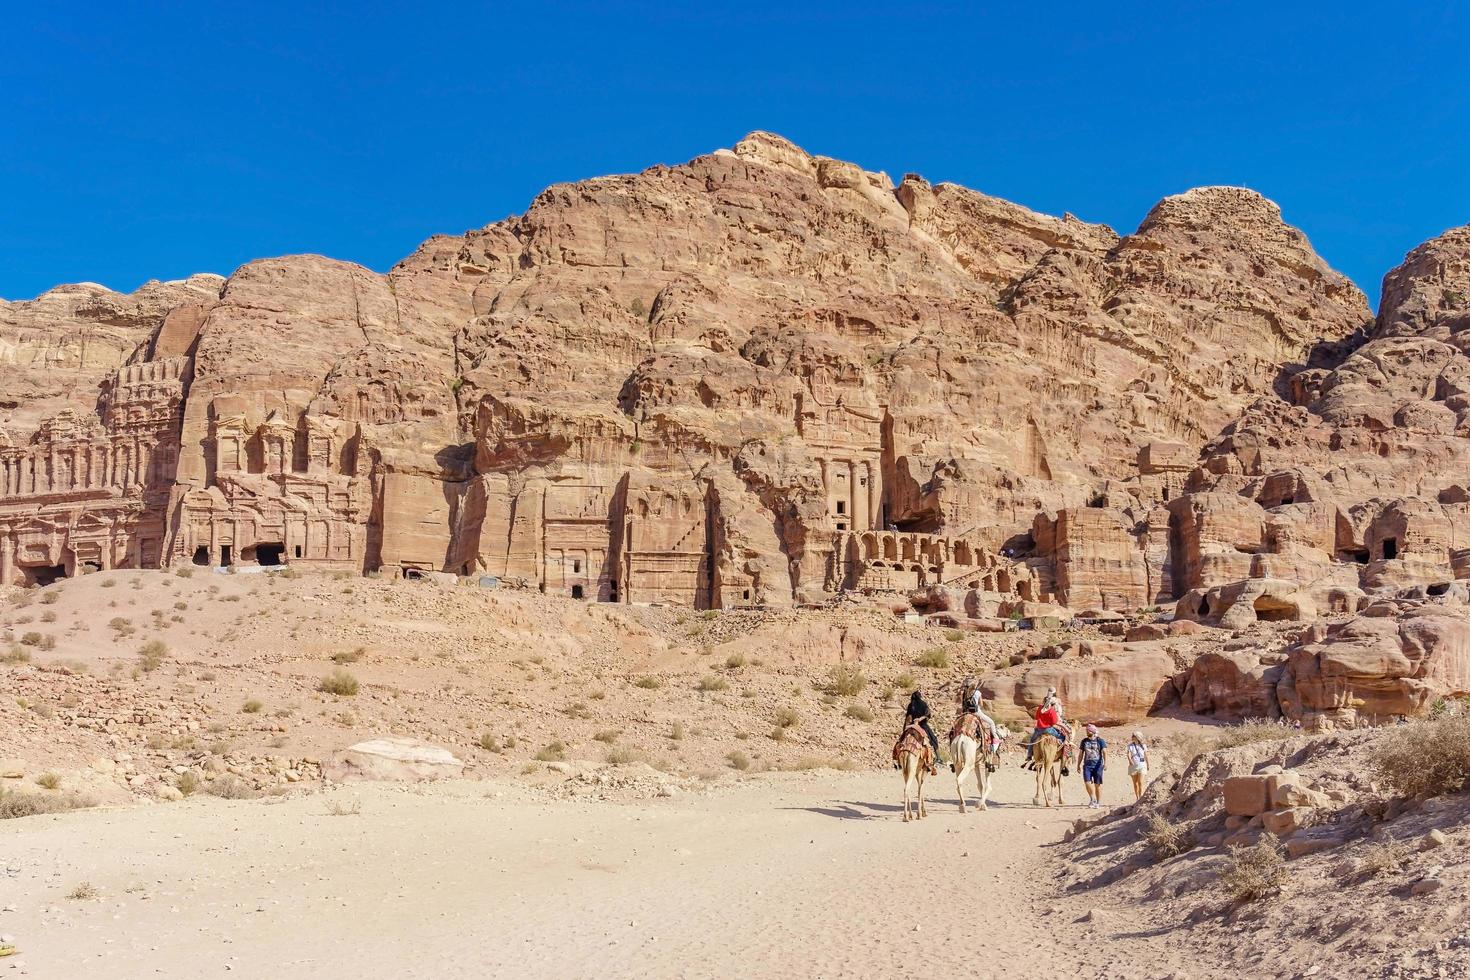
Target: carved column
{"x":7,"y":555}
{"x":875,"y":496}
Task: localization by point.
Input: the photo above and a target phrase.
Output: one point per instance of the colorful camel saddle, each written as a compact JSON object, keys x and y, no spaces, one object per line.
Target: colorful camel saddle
{"x":914,"y":741}
{"x":965,"y":724}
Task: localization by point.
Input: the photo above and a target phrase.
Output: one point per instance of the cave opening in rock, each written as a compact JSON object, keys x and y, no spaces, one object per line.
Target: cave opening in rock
{"x":1270,"y":610}
{"x":201,"y":555}
{"x":576,"y":592}
{"x":1390,"y":548}
{"x":269,"y":554}
{"x":226,"y":555}
{"x":1439,"y":588}
{"x":43,"y":575}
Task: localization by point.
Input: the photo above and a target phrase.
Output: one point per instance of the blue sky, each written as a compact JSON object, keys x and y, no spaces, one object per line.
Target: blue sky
{"x":194,"y":137}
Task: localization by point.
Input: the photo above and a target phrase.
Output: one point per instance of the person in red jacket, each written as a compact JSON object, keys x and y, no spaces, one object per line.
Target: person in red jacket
{"x":1048,"y":722}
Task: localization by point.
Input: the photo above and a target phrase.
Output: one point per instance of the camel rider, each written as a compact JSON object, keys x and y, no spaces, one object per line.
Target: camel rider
{"x":973,"y":705}
{"x":1048,"y":720}
{"x":918,"y":714}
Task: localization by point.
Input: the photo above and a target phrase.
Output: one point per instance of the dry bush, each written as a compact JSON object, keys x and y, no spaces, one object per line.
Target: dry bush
{"x":1164,"y":839}
{"x":607,"y":736}
{"x":676,"y":731}
{"x":623,"y":756}
{"x":555,"y":752}
{"x":738,"y":760}
{"x":1251,"y":731}
{"x":185,"y":572}
{"x":340,"y":683}
{"x":735,"y":661}
{"x":231,"y":788}
{"x":489,"y":743}
{"x":252,"y":707}
{"x":858,"y":712}
{"x":13,"y":804}
{"x":937,"y":658}
{"x":648,"y":683}
{"x":31,"y":639}
{"x":1426,"y":758}
{"x":84,"y":892}
{"x":787,"y":718}
{"x":48,"y":780}
{"x":188,"y":783}
{"x":49,"y":598}
{"x":846,"y":680}
{"x":347,"y":656}
{"x":577,"y":710}
{"x":338,"y":808}
{"x":954,"y":636}
{"x":151,"y":655}
{"x":1384,"y":856}
{"x":707,"y":684}
{"x":905,"y":681}
{"x":1252,"y":873}
{"x":49,"y":616}
{"x":15,"y":655}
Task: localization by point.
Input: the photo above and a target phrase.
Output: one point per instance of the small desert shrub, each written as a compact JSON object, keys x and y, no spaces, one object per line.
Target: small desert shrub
{"x":735,"y":661}
{"x":84,"y":892}
{"x":577,"y":710}
{"x":1384,"y":856}
{"x":15,"y":655}
{"x":846,"y":680}
{"x":597,"y":695}
{"x":185,"y":572}
{"x":49,"y":616}
{"x":181,"y":605}
{"x":555,"y":752}
{"x":231,"y":788}
{"x":607,"y":736}
{"x":49,"y":598}
{"x":738,"y":760}
{"x":13,"y":805}
{"x":1427,"y":758}
{"x":188,"y":783}
{"x":252,"y":707}
{"x":623,"y":756}
{"x":938,"y":658}
{"x":340,"y":808}
{"x":1164,"y":839}
{"x":676,"y":731}
{"x":806,"y":764}
{"x":347,"y":656}
{"x":787,"y":718}
{"x":338,"y":682}
{"x":1252,"y":873}
{"x":905,"y":681}
{"x":648,"y":683}
{"x":1250,"y":731}
{"x":31,"y":640}
{"x":151,"y":655}
{"x":48,"y":780}
{"x":489,"y":742}
{"x":859,"y":712}
{"x":708,"y":684}
{"x":108,"y":583}
{"x":954,"y":636}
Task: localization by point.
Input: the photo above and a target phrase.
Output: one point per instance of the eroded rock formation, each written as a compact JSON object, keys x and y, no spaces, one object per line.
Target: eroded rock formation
{"x":753,"y":379}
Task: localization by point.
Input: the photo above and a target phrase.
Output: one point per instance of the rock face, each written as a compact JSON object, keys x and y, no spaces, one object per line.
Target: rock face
{"x":756,"y":378}
{"x":395,"y":759}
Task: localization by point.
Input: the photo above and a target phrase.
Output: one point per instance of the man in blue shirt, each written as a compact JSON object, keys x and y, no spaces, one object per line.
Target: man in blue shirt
{"x":1094,"y":755}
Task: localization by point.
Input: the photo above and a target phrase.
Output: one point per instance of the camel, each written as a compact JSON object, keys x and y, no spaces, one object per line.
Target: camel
{"x":965,"y":754}
{"x":913,"y":755}
{"x":1047,"y":755}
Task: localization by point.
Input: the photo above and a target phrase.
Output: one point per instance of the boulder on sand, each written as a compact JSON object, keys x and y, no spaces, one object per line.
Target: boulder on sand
{"x":393,"y":759}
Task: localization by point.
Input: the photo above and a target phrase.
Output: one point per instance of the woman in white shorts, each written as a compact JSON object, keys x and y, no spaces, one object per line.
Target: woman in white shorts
{"x":1137,"y":763}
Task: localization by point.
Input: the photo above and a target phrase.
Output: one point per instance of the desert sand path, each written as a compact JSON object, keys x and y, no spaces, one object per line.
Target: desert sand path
{"x":797,"y":875}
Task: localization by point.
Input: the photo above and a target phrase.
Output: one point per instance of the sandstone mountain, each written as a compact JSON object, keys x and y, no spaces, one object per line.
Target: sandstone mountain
{"x":758,"y":378}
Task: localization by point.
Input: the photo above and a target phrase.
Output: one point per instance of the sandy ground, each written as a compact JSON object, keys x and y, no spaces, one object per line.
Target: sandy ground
{"x":784,"y":875}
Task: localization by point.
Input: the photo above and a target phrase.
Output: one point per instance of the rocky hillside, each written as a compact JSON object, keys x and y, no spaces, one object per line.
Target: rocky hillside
{"x":750,"y":380}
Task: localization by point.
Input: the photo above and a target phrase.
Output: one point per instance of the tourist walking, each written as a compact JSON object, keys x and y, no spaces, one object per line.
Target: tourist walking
{"x":1137,"y":763}
{"x":1094,"y":755}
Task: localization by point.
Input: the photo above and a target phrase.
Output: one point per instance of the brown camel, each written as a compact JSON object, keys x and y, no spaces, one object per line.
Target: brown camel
{"x":1046,"y":754}
{"x":914,"y":757}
